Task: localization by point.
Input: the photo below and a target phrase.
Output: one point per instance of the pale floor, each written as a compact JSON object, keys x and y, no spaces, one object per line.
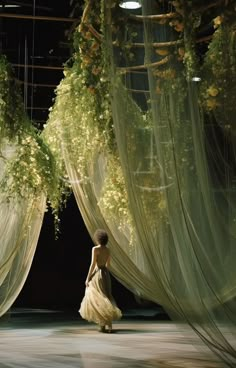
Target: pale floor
{"x":32,"y":341}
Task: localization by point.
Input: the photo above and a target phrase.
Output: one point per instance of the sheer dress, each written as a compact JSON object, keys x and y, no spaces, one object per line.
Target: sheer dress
{"x":98,"y":304}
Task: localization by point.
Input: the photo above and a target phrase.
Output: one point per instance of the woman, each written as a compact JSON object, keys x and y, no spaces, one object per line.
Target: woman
{"x":98,"y":304}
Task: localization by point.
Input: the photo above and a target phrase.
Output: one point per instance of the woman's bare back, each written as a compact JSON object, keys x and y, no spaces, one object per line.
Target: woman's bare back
{"x":102,"y":255}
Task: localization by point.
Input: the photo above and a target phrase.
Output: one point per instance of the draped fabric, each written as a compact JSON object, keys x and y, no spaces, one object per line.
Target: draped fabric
{"x":192,"y":238}
{"x":163,"y":185}
{"x":20,"y":225}
{"x":98,"y":304}
{"x":29,"y":181}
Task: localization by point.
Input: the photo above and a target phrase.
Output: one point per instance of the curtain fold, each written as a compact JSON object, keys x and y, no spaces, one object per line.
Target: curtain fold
{"x":20,"y":224}
{"x":151,"y":174}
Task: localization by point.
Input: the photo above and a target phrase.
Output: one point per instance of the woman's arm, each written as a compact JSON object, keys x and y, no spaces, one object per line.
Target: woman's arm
{"x":92,"y":266}
{"x":108,"y":262}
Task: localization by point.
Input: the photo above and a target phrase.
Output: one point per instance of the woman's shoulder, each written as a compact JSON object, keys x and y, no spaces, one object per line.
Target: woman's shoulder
{"x":98,"y":248}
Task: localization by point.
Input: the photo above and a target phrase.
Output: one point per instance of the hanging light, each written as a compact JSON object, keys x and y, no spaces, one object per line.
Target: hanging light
{"x":10,"y":6}
{"x":196,"y":79}
{"x":130,"y":4}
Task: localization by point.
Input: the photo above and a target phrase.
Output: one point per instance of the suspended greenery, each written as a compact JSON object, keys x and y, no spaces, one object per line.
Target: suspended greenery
{"x":12,"y":117}
{"x":218,"y":87}
{"x":130,"y":133}
{"x":82,"y":115}
{"x":30,"y":168}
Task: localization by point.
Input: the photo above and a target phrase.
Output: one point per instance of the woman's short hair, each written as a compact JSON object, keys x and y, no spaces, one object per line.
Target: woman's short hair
{"x":101,"y":237}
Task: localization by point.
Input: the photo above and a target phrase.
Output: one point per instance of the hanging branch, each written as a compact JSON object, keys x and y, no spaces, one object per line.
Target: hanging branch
{"x":144,"y":66}
{"x":204,"y":39}
{"x":156,"y":17}
{"x":84,"y":22}
{"x":137,"y":90}
{"x":96,"y":34}
{"x":168,"y":44}
{"x":85,"y":12}
{"x":158,"y":44}
{"x":38,"y":66}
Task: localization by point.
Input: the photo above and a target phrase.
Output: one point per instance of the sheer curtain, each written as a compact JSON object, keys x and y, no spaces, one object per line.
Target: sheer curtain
{"x":25,"y":172}
{"x":168,"y":212}
{"x":192,"y":240}
{"x":20,"y":225}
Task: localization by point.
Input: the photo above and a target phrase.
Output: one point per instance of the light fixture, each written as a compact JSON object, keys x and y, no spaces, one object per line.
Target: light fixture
{"x":10,"y":6}
{"x":130,"y":4}
{"x":196,"y":79}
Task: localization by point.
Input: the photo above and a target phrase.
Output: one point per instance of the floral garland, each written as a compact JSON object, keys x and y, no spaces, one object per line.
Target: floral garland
{"x":81,"y":117}
{"x":90,"y":65}
{"x":177,"y":62}
{"x":73,"y":120}
{"x":218,"y":88}
{"x":32,"y":168}
{"x":114,"y":201}
{"x":83,"y":97}
{"x":185,"y":25}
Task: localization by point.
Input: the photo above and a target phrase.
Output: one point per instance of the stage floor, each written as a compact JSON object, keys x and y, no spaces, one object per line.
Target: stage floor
{"x":48,"y":339}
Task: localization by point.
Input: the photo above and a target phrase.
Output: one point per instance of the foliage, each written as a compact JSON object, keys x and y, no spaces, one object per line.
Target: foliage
{"x":81,"y":118}
{"x":12,"y":117}
{"x":114,"y":201}
{"x":82,"y":115}
{"x":185,"y":24}
{"x":73,"y":122}
{"x":90,"y":66}
{"x":31,"y":168}
{"x":218,"y":88}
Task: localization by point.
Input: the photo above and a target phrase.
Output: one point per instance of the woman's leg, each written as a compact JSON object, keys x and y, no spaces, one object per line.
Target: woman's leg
{"x":109,"y":327}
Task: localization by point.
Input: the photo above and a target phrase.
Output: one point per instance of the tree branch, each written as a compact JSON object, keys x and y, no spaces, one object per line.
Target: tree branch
{"x":156,"y":17}
{"x":144,"y":66}
{"x":170,"y":43}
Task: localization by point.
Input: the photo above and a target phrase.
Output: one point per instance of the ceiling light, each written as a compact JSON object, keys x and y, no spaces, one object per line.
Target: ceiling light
{"x":10,"y":6}
{"x":196,"y":79}
{"x":130,"y":4}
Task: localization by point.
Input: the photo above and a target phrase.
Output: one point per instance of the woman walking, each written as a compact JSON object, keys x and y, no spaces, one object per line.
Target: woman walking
{"x":98,"y":304}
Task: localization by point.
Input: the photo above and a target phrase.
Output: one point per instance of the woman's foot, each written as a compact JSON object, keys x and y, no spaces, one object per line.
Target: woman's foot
{"x":109,"y":328}
{"x":102,"y":329}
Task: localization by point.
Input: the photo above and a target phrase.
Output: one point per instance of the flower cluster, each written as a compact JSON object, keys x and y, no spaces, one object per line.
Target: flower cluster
{"x":114,"y":202}
{"x":184,"y":24}
{"x":80,"y":125}
{"x":218,"y":87}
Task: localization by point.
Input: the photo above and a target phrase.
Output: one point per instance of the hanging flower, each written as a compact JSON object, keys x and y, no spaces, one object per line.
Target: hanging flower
{"x":212,"y":91}
{"x":212,"y":103}
{"x":162,"y":52}
{"x":217,"y":21}
{"x":181,"y":52}
{"x":177,"y":25}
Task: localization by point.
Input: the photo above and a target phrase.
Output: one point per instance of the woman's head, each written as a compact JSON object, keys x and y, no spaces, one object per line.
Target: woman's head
{"x":100,"y":237}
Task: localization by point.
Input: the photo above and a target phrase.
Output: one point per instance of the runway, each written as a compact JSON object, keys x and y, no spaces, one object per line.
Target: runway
{"x":48,"y":339}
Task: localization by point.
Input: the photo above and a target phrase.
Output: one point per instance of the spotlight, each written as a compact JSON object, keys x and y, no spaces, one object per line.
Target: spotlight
{"x":196,"y":79}
{"x":10,"y":6}
{"x":130,"y":4}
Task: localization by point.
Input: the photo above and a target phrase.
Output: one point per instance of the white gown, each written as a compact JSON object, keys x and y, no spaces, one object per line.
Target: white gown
{"x":98,"y":304}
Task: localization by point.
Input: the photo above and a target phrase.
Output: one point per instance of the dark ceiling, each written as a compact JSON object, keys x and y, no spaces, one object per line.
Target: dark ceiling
{"x":34,"y":37}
